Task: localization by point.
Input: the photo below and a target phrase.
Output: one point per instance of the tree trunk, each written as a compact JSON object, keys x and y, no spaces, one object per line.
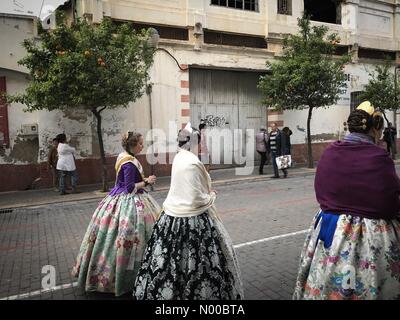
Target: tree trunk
{"x":392,"y":145}
{"x":102,"y":153}
{"x":309,"y":146}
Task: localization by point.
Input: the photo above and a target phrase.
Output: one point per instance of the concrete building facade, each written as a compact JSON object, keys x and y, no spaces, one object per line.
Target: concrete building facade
{"x":211,"y":55}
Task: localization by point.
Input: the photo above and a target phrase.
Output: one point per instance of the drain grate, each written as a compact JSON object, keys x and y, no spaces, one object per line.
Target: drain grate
{"x":2,"y":211}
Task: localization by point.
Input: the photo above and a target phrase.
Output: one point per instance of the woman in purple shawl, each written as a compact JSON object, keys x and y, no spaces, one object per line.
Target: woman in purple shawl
{"x":353,"y":249}
{"x":112,"y":248}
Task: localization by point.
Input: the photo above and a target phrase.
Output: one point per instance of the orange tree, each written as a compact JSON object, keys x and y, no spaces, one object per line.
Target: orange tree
{"x":381,"y":91}
{"x":306,"y":76}
{"x":81,"y":65}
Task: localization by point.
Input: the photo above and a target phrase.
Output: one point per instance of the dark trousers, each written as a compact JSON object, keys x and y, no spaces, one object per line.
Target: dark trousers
{"x":389,"y":146}
{"x":274,"y":165}
{"x":263,"y":160}
{"x":54,"y":173}
{"x":62,"y":176}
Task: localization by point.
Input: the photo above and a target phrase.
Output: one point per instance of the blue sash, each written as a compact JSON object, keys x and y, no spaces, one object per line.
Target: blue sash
{"x":328,"y":227}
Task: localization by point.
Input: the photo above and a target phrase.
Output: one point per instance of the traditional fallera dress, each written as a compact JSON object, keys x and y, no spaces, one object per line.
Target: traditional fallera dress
{"x":112,"y":249}
{"x":190,"y":255}
{"x":353,"y":248}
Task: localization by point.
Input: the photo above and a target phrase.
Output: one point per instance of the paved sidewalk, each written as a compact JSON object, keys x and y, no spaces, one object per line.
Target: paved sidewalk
{"x":28,"y":198}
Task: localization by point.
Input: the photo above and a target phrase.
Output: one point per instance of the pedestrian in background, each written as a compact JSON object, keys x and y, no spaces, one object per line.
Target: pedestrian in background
{"x":389,"y":136}
{"x":52,"y":159}
{"x":204,"y":154}
{"x":112,"y":249}
{"x":352,"y":251}
{"x":261,"y":147}
{"x":66,"y":163}
{"x":276,"y":147}
{"x":286,"y":145}
{"x":190,"y":255}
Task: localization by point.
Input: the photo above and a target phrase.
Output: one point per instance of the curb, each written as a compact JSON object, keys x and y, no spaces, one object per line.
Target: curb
{"x":99,"y":194}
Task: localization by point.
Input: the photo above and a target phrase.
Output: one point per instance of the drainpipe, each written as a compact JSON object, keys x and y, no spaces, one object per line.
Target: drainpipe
{"x":395,"y":109}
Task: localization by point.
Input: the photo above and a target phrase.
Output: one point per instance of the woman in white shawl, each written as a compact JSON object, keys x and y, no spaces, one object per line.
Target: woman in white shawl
{"x":190,"y":255}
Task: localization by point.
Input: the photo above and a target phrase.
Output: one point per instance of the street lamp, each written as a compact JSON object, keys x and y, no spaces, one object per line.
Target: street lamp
{"x":153,"y":43}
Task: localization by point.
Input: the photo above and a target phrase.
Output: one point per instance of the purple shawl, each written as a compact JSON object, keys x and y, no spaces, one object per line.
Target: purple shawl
{"x":357,"y":178}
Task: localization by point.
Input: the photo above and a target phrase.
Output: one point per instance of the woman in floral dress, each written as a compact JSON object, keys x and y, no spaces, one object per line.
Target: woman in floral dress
{"x":190,"y":255}
{"x":353,"y":249}
{"x":113,"y":246}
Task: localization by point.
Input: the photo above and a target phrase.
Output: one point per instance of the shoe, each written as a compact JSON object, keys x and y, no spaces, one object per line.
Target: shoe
{"x":275,"y":177}
{"x":285,"y":175}
{"x":63,"y":193}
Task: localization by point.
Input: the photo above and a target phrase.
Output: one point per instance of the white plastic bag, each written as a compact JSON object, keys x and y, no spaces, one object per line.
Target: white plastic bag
{"x":284,"y":162}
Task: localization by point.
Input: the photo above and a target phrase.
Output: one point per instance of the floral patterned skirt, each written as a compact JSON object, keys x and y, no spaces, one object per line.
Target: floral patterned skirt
{"x":363,"y":261}
{"x":189,"y":259}
{"x":112,"y":248}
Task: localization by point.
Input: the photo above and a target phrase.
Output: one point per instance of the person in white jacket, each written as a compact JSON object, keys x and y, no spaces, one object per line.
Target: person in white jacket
{"x":190,"y":255}
{"x":66,"y":163}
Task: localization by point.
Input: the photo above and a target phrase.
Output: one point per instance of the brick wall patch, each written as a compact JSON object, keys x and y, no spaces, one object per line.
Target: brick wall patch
{"x":184,"y":98}
{"x":274,"y":113}
{"x":185,"y":112}
{"x":279,"y":123}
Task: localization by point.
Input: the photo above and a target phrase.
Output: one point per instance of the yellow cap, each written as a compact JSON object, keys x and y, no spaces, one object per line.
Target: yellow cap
{"x":367,"y":107}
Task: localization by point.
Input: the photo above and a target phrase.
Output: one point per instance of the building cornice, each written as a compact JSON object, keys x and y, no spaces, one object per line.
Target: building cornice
{"x":215,"y":48}
{"x":19,"y":16}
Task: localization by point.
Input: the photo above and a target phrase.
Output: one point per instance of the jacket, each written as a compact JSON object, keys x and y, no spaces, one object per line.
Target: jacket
{"x":261,"y":141}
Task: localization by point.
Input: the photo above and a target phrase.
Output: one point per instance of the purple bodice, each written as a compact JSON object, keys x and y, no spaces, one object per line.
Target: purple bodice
{"x":127,"y":177}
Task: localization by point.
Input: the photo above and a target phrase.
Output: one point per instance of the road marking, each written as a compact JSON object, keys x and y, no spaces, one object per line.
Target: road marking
{"x":270,"y":238}
{"x":38,"y":292}
{"x":74,"y":284}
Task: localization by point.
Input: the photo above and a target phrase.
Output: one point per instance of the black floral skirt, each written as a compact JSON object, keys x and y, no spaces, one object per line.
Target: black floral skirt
{"x":189,"y":259}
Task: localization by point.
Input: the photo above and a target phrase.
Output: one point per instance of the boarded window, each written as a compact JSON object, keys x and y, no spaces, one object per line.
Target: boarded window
{"x":341,"y":50}
{"x":285,"y":7}
{"x":250,"y":5}
{"x":376,"y":54}
{"x":229,"y":39}
{"x":165,"y":32}
{"x":324,"y":11}
{"x":4,"y":134}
